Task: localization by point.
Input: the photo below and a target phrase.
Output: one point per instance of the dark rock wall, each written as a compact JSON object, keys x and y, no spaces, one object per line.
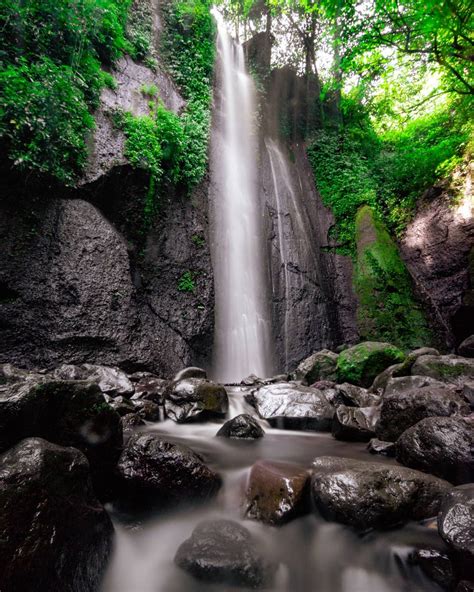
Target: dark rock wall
{"x":312,"y":299}
{"x":438,"y":248}
{"x":74,"y":289}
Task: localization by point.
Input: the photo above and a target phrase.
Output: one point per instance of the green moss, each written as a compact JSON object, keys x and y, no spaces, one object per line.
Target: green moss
{"x":186,"y":282}
{"x":387,"y":308}
{"x":363,"y":362}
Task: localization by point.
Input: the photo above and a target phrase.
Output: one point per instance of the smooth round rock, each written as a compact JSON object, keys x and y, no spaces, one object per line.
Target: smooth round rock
{"x":241,"y":427}
{"x":191,"y":399}
{"x":222,"y":551}
{"x":355,"y":424}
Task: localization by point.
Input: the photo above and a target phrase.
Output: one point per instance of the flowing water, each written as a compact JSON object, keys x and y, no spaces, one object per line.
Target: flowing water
{"x":242,"y":336}
{"x":314,"y":556}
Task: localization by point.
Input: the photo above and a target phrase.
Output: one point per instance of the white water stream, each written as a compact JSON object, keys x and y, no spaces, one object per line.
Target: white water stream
{"x":243,"y":329}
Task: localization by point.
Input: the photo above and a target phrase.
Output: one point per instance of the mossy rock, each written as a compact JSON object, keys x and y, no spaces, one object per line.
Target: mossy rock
{"x":448,"y":368}
{"x":387,"y":309}
{"x":321,"y":365}
{"x":361,"y":363}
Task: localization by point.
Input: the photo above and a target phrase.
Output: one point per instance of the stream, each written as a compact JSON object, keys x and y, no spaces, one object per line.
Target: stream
{"x":313,"y":555}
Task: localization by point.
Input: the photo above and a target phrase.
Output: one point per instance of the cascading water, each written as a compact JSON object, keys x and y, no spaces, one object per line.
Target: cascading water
{"x":242,"y":335}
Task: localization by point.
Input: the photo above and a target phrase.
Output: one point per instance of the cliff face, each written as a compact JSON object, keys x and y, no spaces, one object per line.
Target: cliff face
{"x":438,"y":248}
{"x":79,"y":279}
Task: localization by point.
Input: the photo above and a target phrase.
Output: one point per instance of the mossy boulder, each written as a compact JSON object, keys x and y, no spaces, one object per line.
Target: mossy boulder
{"x":387,"y":308}
{"x":449,"y":368}
{"x":190,"y":399}
{"x":321,"y":365}
{"x":361,"y":363}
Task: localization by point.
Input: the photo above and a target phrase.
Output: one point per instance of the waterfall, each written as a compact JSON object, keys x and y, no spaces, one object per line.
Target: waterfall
{"x":242,"y":342}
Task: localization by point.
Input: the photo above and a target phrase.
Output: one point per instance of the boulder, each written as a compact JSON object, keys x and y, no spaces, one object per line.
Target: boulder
{"x":277,"y":492}
{"x":456,"y":527}
{"x":361,"y":363}
{"x":376,"y":446}
{"x":251,"y":380}
{"x":195,"y":398}
{"x":449,"y":368}
{"x":368,"y":495}
{"x":242,"y":427}
{"x":147,"y":409}
{"x":291,"y":406}
{"x":466,"y":348}
{"x":111,"y":381}
{"x":410,"y":399}
{"x":54,"y":534}
{"x":355,"y":424}
{"x":150,"y":388}
{"x":319,"y":366}
{"x":10,"y":374}
{"x":69,"y":413}
{"x":121,"y":405}
{"x":191,"y":372}
{"x":468,"y":392}
{"x":443,"y":446}
{"x":131,"y":421}
{"x":436,"y":565}
{"x":153,"y":471}
{"x":222,"y":551}
{"x":381,"y":380}
{"x":356,"y":396}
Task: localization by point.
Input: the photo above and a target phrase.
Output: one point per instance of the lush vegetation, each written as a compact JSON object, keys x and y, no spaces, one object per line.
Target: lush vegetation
{"x":51,"y":59}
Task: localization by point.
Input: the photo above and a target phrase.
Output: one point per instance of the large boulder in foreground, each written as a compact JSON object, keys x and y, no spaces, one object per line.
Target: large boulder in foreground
{"x":241,"y":427}
{"x":456,"y":527}
{"x":277,"y":492}
{"x":222,"y":551}
{"x":54,"y":534}
{"x":152,"y":471}
{"x":69,"y":413}
{"x":410,"y":399}
{"x":361,"y":363}
{"x":368,"y":495}
{"x":449,"y":368}
{"x":356,"y":424}
{"x":291,"y":406}
{"x":443,"y":446}
{"x":195,"y":398}
{"x":319,"y":366}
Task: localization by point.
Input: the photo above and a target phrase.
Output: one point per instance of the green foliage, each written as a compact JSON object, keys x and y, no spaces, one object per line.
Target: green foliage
{"x":43,"y":117}
{"x":198,"y":240}
{"x":139,"y":30}
{"x":50,"y":57}
{"x":188,"y":47}
{"x":355,"y":166}
{"x":186,"y":282}
{"x":387,"y":309}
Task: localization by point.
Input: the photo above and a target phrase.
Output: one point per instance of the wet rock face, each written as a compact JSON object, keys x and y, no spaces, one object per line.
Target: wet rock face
{"x":436,"y":565}
{"x":277,"y":492}
{"x":368,"y":495}
{"x":443,"y":446}
{"x":436,"y":248}
{"x":408,"y":400}
{"x":356,"y":424}
{"x":150,"y":388}
{"x":319,"y":366}
{"x":54,"y":534}
{"x":361,"y":363}
{"x":456,"y":527}
{"x":148,"y":410}
{"x":69,"y":413}
{"x":130,"y":422}
{"x":446,"y":368}
{"x":223,"y":551}
{"x":195,"y":398}
{"x":356,"y":396}
{"x":291,"y":406}
{"x":154,"y":472}
{"x":242,"y":427}
{"x":100,"y":303}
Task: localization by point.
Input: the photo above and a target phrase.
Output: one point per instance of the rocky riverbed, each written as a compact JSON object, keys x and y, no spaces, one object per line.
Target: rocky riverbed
{"x":353,"y":474}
